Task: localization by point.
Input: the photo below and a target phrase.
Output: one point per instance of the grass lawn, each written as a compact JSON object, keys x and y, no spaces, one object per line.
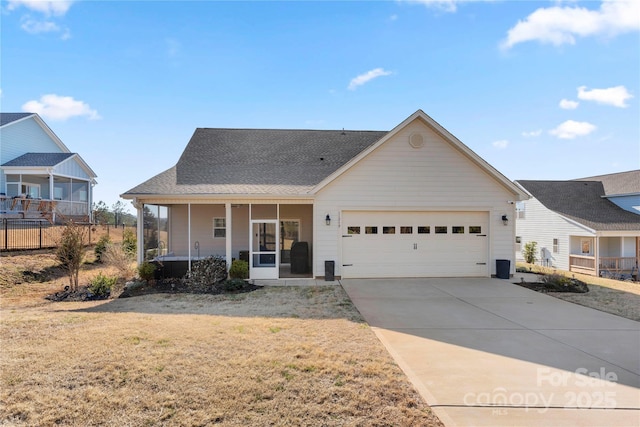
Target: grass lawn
{"x":608,"y":295}
{"x":296,"y":356}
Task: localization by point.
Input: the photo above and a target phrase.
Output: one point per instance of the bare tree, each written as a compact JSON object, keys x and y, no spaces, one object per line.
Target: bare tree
{"x":70,"y":251}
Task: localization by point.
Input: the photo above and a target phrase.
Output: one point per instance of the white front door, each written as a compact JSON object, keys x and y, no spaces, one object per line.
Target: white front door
{"x":264,"y":259}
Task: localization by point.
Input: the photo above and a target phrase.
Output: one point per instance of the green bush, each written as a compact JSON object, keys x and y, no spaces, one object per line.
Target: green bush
{"x":101,"y":285}
{"x":129,"y":243}
{"x":101,"y":247}
{"x":233,"y":285}
{"x":239,"y":269}
{"x":530,"y":251}
{"x":146,"y":271}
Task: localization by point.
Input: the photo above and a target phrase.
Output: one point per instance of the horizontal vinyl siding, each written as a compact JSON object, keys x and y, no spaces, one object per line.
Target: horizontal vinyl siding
{"x":542,"y":225}
{"x":23,"y":137}
{"x":399,"y":177}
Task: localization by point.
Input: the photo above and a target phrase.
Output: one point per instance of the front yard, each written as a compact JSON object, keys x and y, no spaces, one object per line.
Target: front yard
{"x":277,"y":356}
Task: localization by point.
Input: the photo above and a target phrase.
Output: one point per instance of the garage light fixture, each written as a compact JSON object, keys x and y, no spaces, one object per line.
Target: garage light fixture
{"x":505,"y":220}
{"x":327,"y":220}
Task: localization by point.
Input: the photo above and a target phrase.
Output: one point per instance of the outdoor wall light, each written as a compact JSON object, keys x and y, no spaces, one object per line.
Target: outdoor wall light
{"x":327,"y":220}
{"x":505,"y":220}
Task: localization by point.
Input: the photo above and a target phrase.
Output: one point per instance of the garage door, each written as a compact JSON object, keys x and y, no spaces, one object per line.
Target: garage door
{"x":414,"y":244}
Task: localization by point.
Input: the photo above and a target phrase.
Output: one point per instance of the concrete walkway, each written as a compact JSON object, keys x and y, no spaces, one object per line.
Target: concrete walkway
{"x":486,"y":352}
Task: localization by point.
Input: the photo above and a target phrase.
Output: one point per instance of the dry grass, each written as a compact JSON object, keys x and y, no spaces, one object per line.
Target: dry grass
{"x":608,"y":295}
{"x":276,"y":356}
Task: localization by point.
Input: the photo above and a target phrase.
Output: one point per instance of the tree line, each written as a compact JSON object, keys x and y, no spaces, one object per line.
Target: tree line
{"x":113,"y":215}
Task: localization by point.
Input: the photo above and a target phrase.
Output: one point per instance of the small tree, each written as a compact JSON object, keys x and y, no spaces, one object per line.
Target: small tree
{"x":70,"y":252}
{"x":530,"y":251}
{"x":129,"y":243}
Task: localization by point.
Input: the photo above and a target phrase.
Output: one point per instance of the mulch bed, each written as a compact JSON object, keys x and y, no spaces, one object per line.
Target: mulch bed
{"x":574,"y":286}
{"x":176,"y":286}
{"x":82,"y":294}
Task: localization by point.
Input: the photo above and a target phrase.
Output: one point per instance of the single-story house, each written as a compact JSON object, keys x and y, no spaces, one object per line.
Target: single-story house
{"x":410,"y":202}
{"x":578,"y":228}
{"x":39,"y":176}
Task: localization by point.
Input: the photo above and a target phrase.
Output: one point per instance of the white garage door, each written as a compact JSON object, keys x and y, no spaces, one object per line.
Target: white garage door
{"x":414,"y":244}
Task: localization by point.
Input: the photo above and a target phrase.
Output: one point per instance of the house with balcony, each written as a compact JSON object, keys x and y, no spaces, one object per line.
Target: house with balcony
{"x":40,"y":178}
{"x":579,"y":228}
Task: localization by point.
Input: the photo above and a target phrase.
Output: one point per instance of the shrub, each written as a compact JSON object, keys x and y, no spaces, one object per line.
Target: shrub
{"x":206,"y":274}
{"x":146,"y":270}
{"x":70,"y":252}
{"x":129,"y":243}
{"x":115,"y":256}
{"x":559,"y":283}
{"x":101,"y":285}
{"x":530,"y":251}
{"x":239,"y":269}
{"x":232,"y":285}
{"x":101,"y":247}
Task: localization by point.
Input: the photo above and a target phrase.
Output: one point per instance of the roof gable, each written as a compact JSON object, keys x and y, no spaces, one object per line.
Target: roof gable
{"x":448,"y":137}
{"x":583,"y":202}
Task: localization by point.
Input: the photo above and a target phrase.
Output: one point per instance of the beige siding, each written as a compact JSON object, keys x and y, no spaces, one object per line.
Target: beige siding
{"x":542,"y":225}
{"x":396,"y":176}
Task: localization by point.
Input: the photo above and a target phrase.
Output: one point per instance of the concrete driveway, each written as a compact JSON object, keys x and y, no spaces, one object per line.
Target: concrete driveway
{"x":486,"y":352}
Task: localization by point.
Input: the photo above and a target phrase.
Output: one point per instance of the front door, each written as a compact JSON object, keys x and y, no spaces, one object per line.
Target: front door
{"x":263,"y":260}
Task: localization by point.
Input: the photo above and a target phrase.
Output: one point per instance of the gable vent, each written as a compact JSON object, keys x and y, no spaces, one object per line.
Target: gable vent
{"x":416,"y":140}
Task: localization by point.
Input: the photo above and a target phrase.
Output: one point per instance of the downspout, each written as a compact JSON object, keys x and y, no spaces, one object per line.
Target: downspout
{"x":597,"y":255}
{"x":189,"y":232}
{"x":140,"y":229}
{"x":51,"y":195}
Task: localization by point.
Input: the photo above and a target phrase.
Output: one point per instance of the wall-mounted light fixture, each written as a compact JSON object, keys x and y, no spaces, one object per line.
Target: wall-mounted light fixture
{"x":327,"y":220}
{"x":505,"y":220}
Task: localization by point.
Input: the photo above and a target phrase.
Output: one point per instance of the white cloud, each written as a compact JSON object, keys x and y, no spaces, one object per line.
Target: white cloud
{"x":33,"y":26}
{"x":571,"y":129}
{"x":367,"y":77}
{"x":51,"y":7}
{"x":615,"y":96}
{"x":567,"y":104}
{"x":57,"y":107}
{"x":501,"y":144}
{"x":532,"y":133}
{"x":173,"y":47}
{"x":393,"y":18}
{"x":561,"y":25}
{"x":444,"y":5}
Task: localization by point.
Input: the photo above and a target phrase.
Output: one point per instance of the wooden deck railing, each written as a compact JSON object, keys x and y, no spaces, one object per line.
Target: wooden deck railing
{"x":582,"y":264}
{"x":618,"y":264}
{"x":33,"y":208}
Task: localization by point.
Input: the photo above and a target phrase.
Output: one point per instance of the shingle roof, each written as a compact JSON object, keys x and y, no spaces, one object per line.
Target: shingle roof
{"x":258,"y":161}
{"x":618,"y":183}
{"x":582,"y":201}
{"x":39,"y":159}
{"x":6,"y":118}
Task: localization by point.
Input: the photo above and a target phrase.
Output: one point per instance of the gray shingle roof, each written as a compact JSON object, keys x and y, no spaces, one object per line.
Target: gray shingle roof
{"x":6,"y":118}
{"x":618,"y":183}
{"x":582,"y":201}
{"x":258,"y":161}
{"x":39,"y":159}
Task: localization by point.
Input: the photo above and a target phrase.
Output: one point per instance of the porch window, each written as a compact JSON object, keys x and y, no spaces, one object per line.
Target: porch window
{"x":556,"y":246}
{"x":585,"y":244}
{"x":31,"y":190}
{"x":219,"y":228}
{"x":518,"y":243}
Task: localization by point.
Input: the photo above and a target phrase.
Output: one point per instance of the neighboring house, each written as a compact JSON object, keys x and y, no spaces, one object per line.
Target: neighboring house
{"x":411,"y":202}
{"x":39,"y":176}
{"x":622,"y":188}
{"x":577,"y":228}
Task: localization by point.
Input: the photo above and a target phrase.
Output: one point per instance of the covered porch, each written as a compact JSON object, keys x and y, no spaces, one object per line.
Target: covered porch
{"x":48,"y":196}
{"x":274,"y":237}
{"x":605,"y":256}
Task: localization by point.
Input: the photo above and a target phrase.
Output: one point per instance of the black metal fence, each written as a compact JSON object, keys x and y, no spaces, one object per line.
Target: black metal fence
{"x":22,"y":234}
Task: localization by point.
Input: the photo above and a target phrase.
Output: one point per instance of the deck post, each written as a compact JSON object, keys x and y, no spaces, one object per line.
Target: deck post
{"x":228,"y":237}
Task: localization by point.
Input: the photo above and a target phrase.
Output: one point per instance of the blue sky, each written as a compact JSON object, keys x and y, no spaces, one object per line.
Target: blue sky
{"x":539,"y":89}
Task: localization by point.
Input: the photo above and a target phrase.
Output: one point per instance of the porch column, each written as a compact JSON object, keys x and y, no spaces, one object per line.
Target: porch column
{"x":51,"y":196}
{"x":189,"y":233}
{"x":228,"y":237}
{"x":596,"y":252}
{"x":140,"y":230}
